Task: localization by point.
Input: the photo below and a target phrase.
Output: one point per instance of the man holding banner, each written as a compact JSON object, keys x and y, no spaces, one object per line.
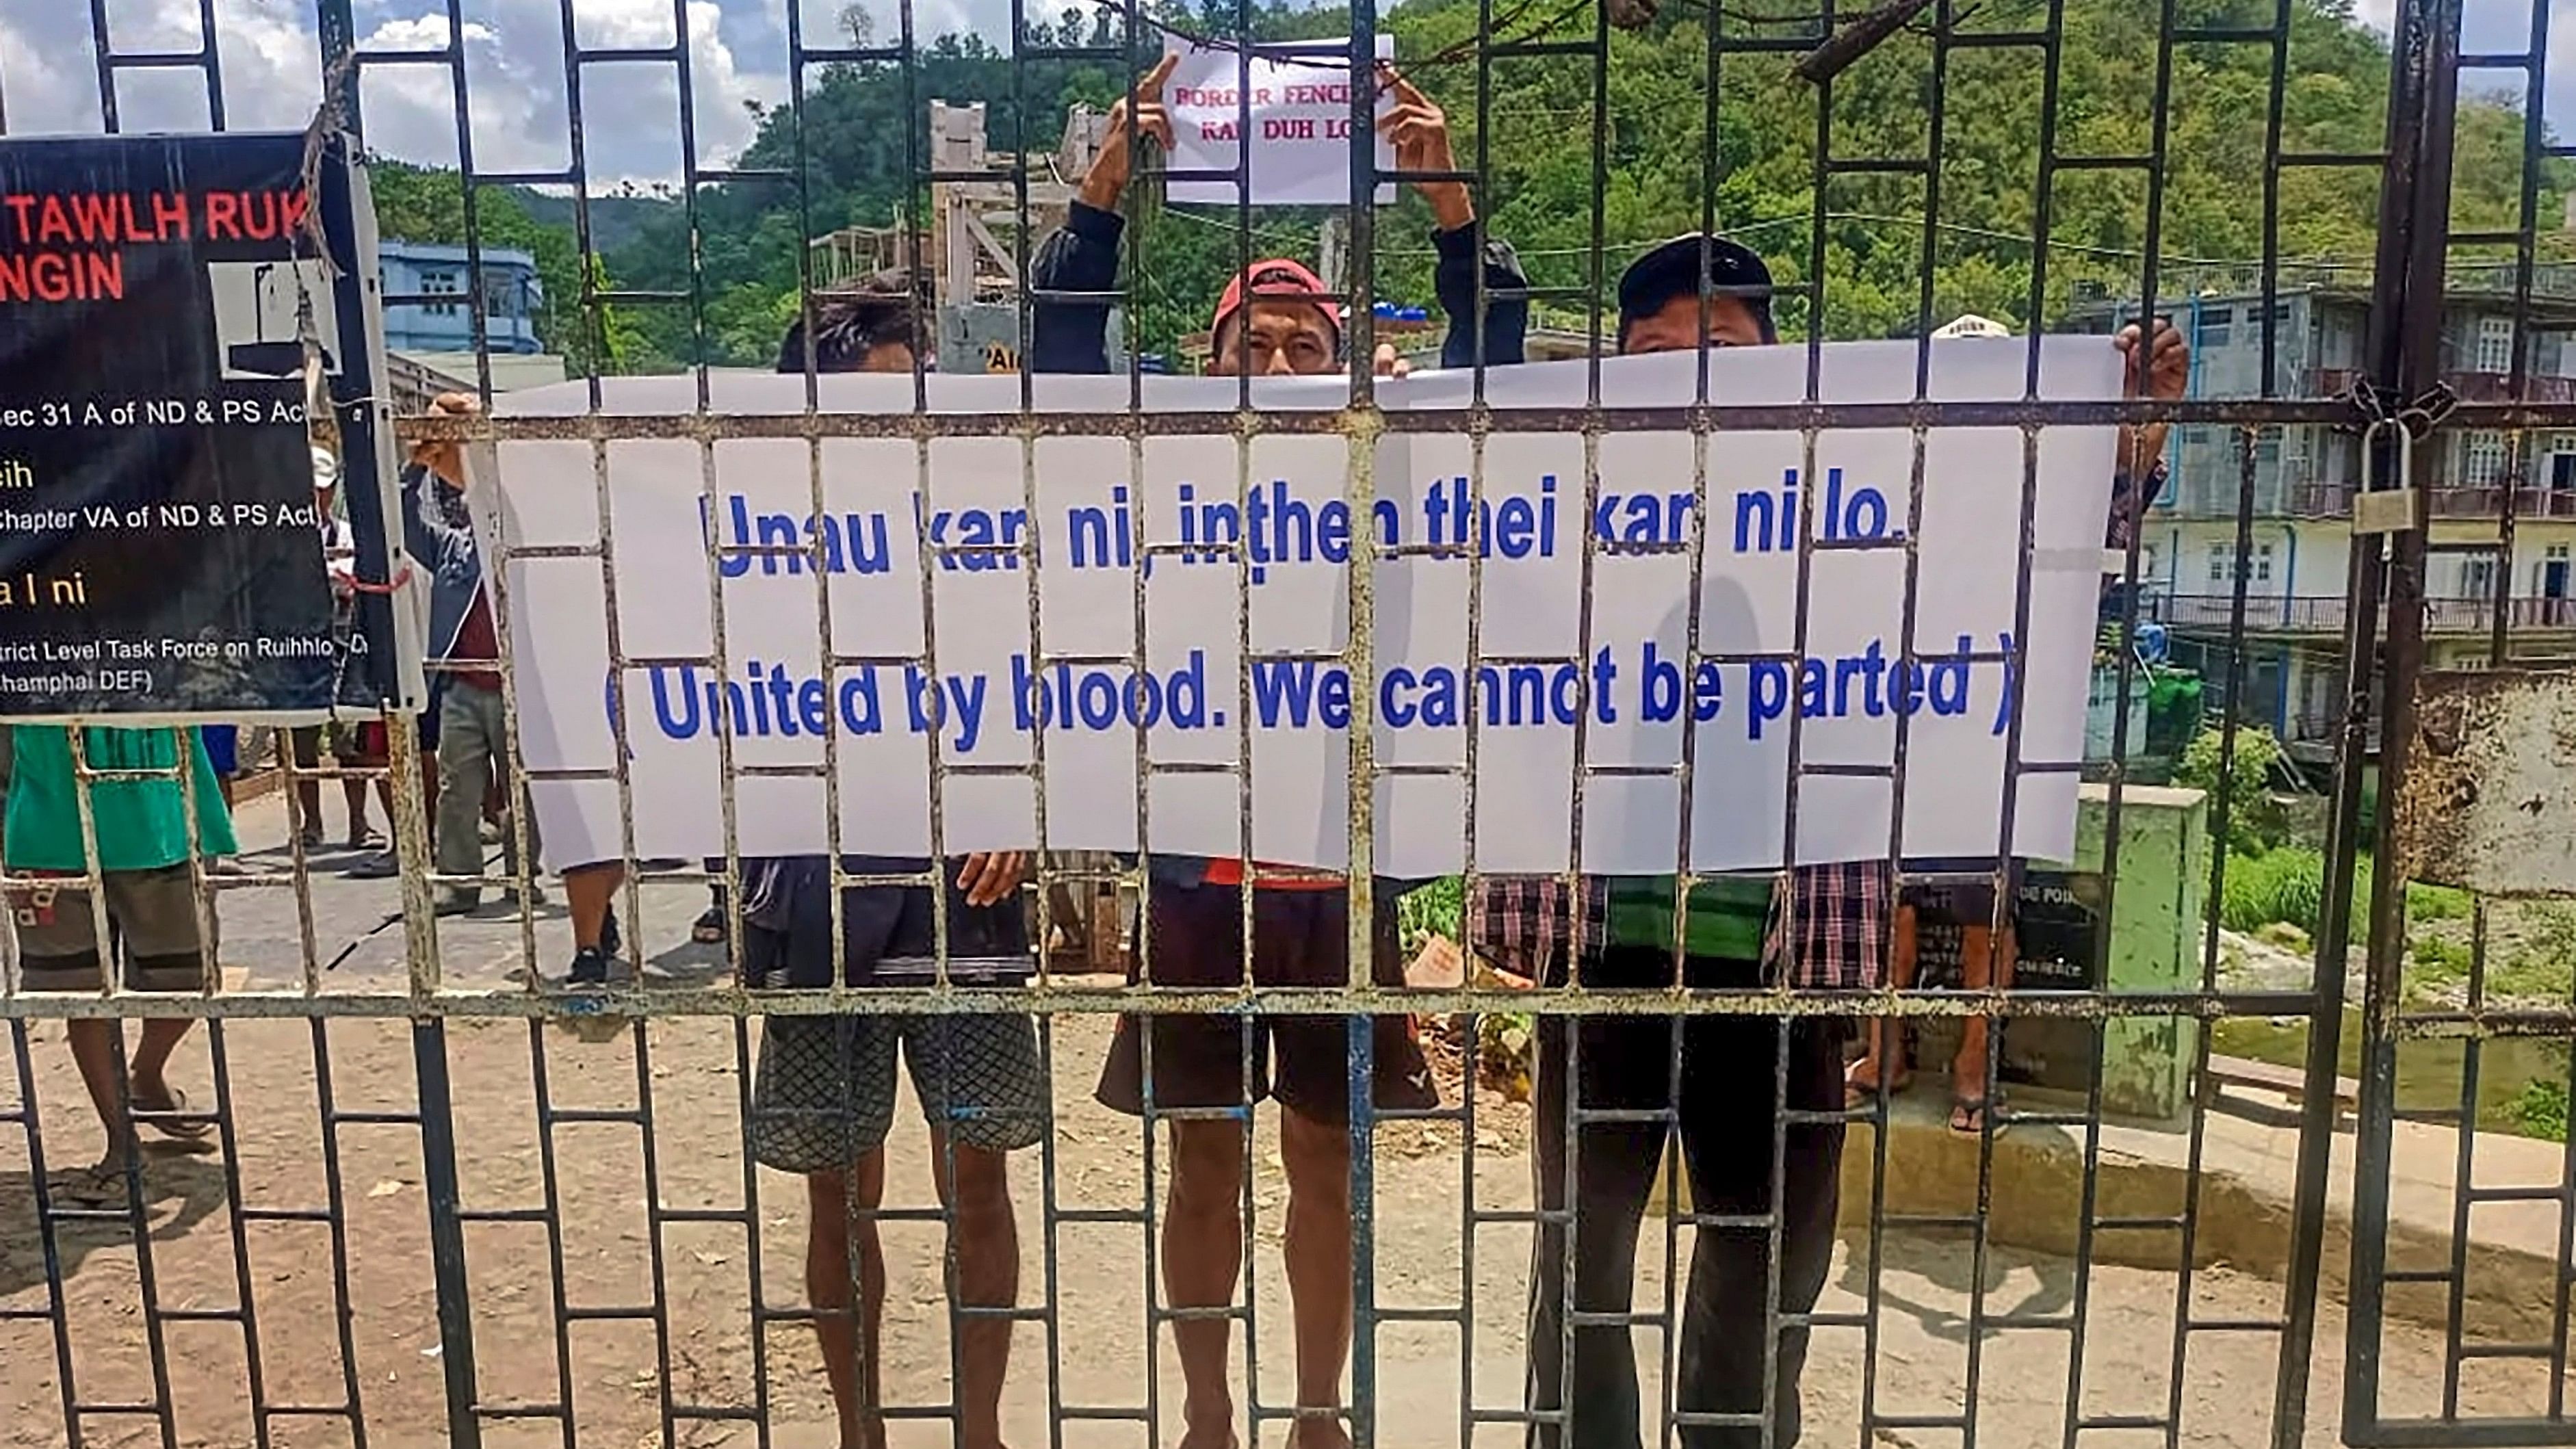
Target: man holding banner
{"x":1820,"y":927}
{"x":823,"y":1099}
{"x":1274,"y":320}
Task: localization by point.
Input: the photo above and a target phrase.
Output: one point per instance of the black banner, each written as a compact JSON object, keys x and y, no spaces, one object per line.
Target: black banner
{"x":161,"y":547}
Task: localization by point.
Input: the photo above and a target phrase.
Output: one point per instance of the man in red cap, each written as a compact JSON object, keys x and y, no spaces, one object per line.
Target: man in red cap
{"x":1288,"y":330}
{"x":1275,"y":319}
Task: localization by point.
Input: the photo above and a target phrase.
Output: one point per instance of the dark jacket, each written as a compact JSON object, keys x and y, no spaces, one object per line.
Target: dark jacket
{"x":1071,"y":333}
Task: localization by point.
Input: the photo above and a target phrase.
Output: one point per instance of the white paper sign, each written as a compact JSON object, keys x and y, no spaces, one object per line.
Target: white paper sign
{"x":915,"y":567}
{"x":1298,"y":119}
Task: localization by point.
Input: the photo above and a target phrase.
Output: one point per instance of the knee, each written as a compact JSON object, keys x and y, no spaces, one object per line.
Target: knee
{"x":981,"y":1198}
{"x":834,"y":1239}
{"x":1317,"y":1158}
{"x":1207,"y":1166}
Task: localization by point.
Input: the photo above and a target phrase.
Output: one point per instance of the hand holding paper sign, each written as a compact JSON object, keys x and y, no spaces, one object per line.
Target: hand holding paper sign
{"x":2167,"y":369}
{"x":1110,"y":170}
{"x":989,"y":878}
{"x":1420,"y":131}
{"x":1283,"y":113}
{"x":447,"y":460}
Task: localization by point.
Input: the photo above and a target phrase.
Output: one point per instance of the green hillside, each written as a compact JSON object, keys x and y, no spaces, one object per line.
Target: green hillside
{"x":1650,"y":162}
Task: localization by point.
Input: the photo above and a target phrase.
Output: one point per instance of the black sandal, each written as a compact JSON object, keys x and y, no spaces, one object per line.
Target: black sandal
{"x":100,"y":1187}
{"x":174,"y":1121}
{"x":1968,"y":1116}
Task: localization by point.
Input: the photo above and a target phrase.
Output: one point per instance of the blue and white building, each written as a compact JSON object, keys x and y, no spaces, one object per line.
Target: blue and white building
{"x":2304,"y":479}
{"x":512,"y":299}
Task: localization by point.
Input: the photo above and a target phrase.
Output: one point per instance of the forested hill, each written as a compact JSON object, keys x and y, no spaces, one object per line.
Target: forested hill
{"x":1649,"y":162}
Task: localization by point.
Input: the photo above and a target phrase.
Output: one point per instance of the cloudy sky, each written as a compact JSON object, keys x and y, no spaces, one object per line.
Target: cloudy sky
{"x":514,"y":72}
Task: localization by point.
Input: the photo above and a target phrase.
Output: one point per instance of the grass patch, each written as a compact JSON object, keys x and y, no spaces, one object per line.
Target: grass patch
{"x":2287,"y":885}
{"x":2542,"y":1110}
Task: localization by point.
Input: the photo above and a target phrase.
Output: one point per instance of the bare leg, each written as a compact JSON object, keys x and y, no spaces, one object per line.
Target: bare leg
{"x":849,"y":1340}
{"x":149,"y":1070}
{"x":1887,"y":1036}
{"x":294,"y":755}
{"x":1317,"y":1156}
{"x":1202,"y":1258}
{"x":985,"y":1238}
{"x":353,"y":793}
{"x":1985,"y":959}
{"x":589,"y":892}
{"x":94,"y":1052}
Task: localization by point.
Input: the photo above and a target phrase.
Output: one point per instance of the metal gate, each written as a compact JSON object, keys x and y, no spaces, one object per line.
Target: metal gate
{"x":2453,"y":769}
{"x":442,"y":1201}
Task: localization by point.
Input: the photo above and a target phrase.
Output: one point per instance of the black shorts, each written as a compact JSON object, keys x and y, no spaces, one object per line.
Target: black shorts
{"x":1299,"y":938}
{"x":788,"y":928}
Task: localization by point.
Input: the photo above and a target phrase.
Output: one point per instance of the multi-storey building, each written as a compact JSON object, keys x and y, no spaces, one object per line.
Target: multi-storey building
{"x":2294,"y":560}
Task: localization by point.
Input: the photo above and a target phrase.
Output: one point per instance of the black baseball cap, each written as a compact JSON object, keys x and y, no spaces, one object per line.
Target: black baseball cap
{"x":1671,"y":269}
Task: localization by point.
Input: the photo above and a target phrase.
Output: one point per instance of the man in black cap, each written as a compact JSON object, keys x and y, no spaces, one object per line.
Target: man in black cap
{"x":1826,"y":930}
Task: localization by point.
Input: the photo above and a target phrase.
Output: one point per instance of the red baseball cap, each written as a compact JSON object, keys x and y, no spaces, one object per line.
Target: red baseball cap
{"x":1278,"y":277}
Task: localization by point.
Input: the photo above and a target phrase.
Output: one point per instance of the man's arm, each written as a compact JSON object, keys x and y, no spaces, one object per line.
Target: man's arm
{"x":2158,"y":365}
{"x":1506,"y":299}
{"x":1419,"y":130}
{"x":427,"y":534}
{"x":1069,"y":334}
{"x":2132,"y":494}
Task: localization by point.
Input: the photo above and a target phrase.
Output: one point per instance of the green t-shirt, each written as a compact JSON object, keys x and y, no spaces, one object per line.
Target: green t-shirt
{"x":1728,"y":916}
{"x":142,"y":824}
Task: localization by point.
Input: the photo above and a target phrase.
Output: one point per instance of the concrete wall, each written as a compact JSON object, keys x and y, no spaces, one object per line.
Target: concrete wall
{"x":2155,"y":934}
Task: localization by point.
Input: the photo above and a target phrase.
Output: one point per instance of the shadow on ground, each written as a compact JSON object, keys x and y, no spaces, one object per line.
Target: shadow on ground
{"x":178,"y":1193}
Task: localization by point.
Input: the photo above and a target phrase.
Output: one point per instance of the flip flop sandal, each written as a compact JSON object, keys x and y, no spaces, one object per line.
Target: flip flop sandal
{"x":1967,"y":1117}
{"x":173,"y":1122}
{"x":99,"y":1187}
{"x":710,"y":927}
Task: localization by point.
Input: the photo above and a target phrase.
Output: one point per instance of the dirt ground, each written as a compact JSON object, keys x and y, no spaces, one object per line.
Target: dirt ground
{"x":578,"y":1239}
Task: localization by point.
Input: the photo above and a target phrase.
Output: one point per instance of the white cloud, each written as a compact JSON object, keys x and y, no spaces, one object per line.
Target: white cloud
{"x":514,"y":77}
{"x":517,"y":92}
{"x":2503,"y":27}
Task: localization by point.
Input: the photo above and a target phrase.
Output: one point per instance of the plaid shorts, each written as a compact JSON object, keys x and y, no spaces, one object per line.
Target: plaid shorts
{"x":824,"y":1093}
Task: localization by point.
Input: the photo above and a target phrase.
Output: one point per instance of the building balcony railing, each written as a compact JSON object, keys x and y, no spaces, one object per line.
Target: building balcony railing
{"x":2316,"y":499}
{"x":2313,"y":499}
{"x":2473,"y":387}
{"x":2498,"y":387}
{"x":2492,"y":501}
{"x":2272,"y":614}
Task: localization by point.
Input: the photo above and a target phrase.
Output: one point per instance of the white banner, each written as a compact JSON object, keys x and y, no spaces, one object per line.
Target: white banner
{"x":988,"y":695}
{"x":1293,"y":102}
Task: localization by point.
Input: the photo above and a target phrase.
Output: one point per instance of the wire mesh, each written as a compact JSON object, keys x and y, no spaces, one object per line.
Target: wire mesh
{"x":582,"y":1243}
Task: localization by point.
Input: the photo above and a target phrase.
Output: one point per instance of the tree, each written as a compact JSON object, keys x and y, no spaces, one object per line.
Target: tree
{"x":427,"y":204}
{"x":1555,"y":176}
{"x":2255,"y":821}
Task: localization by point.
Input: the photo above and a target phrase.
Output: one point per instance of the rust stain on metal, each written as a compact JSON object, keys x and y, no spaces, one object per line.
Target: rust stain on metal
{"x":2489,"y":798}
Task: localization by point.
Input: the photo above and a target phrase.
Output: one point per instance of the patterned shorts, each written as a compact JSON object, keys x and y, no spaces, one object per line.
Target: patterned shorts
{"x":824,"y":1093}
{"x":152,"y":913}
